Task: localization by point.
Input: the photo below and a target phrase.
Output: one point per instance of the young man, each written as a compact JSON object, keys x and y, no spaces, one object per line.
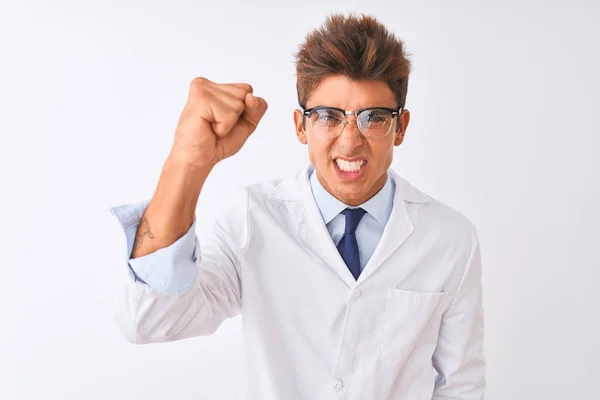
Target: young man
{"x":352,"y":284}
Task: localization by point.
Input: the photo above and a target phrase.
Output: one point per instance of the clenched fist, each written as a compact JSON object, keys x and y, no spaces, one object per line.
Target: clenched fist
{"x":216,"y":121}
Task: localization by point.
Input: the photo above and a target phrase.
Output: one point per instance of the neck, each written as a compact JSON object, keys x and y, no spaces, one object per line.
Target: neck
{"x":360,"y":198}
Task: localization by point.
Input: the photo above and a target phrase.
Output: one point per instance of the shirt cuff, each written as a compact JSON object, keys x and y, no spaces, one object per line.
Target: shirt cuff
{"x":171,"y":270}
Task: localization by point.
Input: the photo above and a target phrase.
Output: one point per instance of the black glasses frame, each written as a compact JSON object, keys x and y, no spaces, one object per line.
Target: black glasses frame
{"x":309,"y":111}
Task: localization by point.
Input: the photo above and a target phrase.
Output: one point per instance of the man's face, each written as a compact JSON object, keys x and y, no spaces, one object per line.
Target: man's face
{"x":368,"y":159}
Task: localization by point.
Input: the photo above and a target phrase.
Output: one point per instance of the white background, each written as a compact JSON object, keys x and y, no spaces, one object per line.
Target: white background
{"x":504,"y":102}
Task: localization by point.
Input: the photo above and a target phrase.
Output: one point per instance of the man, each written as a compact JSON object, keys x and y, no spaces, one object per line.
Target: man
{"x":351,"y":283}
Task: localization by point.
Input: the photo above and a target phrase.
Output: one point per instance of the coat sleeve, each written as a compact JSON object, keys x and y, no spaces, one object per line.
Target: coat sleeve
{"x":459,"y":355}
{"x":175,"y":295}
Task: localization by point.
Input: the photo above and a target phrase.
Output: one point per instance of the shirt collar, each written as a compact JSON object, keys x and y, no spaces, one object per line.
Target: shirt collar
{"x":379,"y":206}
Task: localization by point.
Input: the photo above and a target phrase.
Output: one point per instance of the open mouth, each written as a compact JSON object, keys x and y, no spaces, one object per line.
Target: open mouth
{"x":350,"y":168}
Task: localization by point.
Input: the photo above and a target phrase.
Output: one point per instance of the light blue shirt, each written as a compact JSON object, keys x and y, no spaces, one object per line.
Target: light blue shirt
{"x":173,"y":269}
{"x":370,"y":228}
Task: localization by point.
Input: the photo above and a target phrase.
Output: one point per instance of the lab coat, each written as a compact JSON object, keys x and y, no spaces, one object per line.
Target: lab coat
{"x":410,"y":328}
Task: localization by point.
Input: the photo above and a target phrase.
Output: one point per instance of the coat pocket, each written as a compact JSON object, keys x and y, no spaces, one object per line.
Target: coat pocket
{"x":410,"y":319}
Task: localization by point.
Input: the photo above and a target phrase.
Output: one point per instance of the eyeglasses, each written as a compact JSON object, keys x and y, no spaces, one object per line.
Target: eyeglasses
{"x":372,"y":122}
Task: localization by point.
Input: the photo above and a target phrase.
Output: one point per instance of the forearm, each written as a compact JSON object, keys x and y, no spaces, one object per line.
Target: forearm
{"x":171,"y":210}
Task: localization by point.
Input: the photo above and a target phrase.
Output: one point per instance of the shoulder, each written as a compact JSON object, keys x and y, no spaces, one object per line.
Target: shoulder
{"x":428,"y":212}
{"x":278,"y":190}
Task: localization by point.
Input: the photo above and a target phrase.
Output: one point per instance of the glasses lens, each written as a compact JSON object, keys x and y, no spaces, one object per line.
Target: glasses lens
{"x":326,"y":122}
{"x":375,"y":122}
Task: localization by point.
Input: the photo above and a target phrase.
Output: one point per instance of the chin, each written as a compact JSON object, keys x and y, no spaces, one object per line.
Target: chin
{"x":350,"y":197}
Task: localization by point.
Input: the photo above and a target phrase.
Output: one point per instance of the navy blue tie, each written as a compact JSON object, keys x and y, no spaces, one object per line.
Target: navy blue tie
{"x":348,"y":246}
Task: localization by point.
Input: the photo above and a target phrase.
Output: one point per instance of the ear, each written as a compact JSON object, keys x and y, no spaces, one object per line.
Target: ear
{"x":300,"y":131}
{"x":403,"y":120}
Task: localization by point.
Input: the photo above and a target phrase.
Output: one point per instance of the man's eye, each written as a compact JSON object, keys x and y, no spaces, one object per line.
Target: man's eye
{"x":328,"y":117}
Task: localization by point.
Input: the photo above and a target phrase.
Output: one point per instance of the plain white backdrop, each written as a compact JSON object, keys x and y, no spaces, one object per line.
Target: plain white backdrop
{"x":504,"y":102}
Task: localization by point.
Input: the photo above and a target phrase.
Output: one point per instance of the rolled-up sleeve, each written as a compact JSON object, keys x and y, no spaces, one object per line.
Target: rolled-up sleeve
{"x":188,"y":288}
{"x":170,"y":270}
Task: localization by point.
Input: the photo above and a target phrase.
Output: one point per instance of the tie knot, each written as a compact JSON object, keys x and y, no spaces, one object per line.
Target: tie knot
{"x":353,"y":217}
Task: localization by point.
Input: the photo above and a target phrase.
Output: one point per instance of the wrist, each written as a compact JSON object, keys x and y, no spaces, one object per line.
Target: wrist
{"x":185,"y":165}
{"x":178,"y":189}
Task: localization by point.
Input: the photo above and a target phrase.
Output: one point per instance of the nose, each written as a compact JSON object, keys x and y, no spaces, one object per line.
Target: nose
{"x":350,"y":138}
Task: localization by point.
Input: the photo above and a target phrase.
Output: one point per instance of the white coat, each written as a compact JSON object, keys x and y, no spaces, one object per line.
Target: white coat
{"x":410,"y":327}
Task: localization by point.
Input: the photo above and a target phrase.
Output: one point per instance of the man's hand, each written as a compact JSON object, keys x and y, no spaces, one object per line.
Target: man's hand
{"x":216,"y":122}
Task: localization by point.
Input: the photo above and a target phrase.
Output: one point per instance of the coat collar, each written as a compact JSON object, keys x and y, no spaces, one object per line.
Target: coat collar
{"x":378,"y":206}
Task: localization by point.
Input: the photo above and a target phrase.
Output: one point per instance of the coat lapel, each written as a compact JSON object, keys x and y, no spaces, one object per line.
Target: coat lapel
{"x":314,"y":234}
{"x":399,"y":227}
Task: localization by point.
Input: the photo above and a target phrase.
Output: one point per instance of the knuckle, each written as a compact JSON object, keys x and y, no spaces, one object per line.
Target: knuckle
{"x":238,"y":108}
{"x":221,"y":130}
{"x":199,"y":90}
{"x":199,"y":80}
{"x":231,"y":117}
{"x":197,"y":84}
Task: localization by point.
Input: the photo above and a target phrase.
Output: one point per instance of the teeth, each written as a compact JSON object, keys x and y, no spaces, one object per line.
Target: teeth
{"x":348,"y":166}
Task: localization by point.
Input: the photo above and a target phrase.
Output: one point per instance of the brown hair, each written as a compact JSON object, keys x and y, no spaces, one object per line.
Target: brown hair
{"x":360,"y":48}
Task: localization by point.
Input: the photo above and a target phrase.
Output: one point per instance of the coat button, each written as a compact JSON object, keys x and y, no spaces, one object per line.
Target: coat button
{"x":355,"y":294}
{"x":337,"y":385}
